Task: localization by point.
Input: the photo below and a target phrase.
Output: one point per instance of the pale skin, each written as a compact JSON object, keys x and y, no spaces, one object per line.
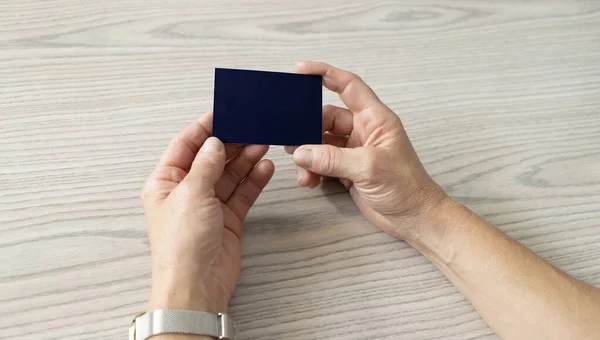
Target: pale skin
{"x":196,"y":203}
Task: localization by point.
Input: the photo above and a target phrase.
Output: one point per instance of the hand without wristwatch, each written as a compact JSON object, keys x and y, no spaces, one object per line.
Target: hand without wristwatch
{"x":174,"y":321}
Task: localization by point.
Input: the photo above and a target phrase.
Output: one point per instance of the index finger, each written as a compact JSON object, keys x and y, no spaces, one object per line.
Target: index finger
{"x":183,"y":148}
{"x":353,"y":91}
{"x":185,"y":145}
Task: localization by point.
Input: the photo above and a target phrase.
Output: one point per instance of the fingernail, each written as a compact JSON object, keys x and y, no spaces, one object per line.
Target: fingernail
{"x":212,"y":145}
{"x":303,"y":157}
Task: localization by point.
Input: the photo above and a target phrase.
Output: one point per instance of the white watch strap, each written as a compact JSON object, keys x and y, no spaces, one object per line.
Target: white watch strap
{"x":165,"y":321}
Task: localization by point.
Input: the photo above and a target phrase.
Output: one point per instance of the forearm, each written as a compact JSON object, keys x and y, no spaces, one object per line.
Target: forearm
{"x":517,"y":293}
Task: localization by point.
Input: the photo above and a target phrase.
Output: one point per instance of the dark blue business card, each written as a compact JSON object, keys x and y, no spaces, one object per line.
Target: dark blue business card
{"x":258,"y":107}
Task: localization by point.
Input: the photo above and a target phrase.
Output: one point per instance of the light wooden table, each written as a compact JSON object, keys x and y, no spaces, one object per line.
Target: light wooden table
{"x":501,"y":98}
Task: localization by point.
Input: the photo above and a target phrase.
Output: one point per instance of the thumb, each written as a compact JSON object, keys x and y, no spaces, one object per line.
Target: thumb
{"x":209,"y":163}
{"x":329,"y":160}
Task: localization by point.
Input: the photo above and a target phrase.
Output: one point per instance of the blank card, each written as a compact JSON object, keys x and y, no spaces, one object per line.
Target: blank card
{"x":273,"y":108}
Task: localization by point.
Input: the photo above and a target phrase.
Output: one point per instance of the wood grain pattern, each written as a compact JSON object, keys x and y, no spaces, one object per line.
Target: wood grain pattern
{"x":501,"y":98}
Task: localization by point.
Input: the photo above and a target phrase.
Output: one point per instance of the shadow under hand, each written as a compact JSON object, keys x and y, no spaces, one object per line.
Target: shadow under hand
{"x":339,"y":197}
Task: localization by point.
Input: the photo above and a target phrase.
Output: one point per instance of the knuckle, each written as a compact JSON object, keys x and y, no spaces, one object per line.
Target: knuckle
{"x":178,"y":142}
{"x":144,"y":195}
{"x":245,"y":199}
{"x":177,"y":175}
{"x":208,"y":162}
{"x":239,"y":172}
{"x":228,"y":181}
{"x":147,"y":190}
{"x":232,"y":177}
{"x":329,"y":159}
{"x":148,"y":193}
{"x":329,"y":109}
{"x":328,"y":119}
{"x":354,"y":79}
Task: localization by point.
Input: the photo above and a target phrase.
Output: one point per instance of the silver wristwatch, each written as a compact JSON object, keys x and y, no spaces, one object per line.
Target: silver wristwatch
{"x":174,"y":321}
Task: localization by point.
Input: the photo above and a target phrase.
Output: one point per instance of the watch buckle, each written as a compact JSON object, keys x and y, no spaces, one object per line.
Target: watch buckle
{"x":132,"y":328}
{"x":226,"y":327}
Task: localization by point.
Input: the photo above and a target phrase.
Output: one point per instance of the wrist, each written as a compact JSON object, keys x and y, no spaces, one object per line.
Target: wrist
{"x":169,"y":293}
{"x":438,"y":226}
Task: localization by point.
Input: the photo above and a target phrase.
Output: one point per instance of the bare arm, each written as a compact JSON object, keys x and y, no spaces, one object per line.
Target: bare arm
{"x":517,"y":293}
